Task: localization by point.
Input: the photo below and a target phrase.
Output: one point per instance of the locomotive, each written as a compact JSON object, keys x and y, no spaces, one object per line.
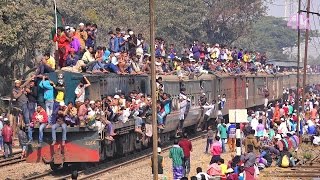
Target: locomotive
{"x":86,"y":145}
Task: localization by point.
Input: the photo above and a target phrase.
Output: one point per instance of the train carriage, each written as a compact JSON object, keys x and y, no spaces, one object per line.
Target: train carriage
{"x":87,"y":145}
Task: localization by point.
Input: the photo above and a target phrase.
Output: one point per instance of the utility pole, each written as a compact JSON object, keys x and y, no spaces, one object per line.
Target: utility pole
{"x":298,"y":67}
{"x":153,"y":91}
{"x":305,"y":57}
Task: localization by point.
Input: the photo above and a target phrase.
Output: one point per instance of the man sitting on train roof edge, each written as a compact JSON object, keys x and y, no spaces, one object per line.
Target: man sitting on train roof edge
{"x":60,"y":122}
{"x":39,"y":120}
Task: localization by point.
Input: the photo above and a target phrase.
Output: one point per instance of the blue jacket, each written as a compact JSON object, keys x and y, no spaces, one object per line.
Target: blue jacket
{"x":48,"y":90}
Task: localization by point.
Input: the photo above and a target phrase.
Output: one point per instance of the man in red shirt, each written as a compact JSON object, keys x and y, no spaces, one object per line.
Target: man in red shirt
{"x":7,"y":133}
{"x":186,"y":146}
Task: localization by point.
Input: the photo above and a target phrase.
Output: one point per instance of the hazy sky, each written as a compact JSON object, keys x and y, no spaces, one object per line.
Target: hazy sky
{"x":277,"y":8}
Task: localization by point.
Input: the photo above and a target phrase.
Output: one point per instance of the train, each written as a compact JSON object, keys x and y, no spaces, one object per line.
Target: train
{"x":86,"y":145}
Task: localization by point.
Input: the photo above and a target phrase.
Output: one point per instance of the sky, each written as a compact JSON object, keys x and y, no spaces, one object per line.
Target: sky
{"x":277,"y":8}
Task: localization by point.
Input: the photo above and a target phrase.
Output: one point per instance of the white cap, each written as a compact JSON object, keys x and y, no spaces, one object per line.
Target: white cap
{"x":159,"y":150}
{"x":278,"y":136}
{"x":230,"y":170}
{"x":81,"y":24}
{"x":130,"y":32}
{"x":67,"y":27}
{"x":72,"y":29}
{"x":5,"y":119}
{"x":116,"y":96}
{"x":114,"y":60}
{"x":62,"y":103}
{"x":92,"y":102}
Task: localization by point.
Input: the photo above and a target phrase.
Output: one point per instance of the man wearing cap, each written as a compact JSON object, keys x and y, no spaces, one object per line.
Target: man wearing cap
{"x":160,"y":164}
{"x":7,"y":133}
{"x":83,"y":36}
{"x":19,"y":94}
{"x":39,"y":120}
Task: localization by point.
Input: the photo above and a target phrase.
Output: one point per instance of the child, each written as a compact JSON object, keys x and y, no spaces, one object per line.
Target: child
{"x":224,"y":168}
{"x":209,"y":138}
{"x":22,"y":136}
{"x":216,"y":150}
{"x":260,"y":129}
{"x":271,"y":132}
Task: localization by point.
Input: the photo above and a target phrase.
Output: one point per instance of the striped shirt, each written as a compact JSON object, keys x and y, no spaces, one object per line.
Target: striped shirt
{"x":176,"y":154}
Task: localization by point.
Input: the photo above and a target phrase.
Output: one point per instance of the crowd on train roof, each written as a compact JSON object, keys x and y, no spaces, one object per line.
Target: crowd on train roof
{"x":129,"y":53}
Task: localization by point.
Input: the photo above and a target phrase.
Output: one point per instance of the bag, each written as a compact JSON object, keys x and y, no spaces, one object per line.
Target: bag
{"x":285,"y":161}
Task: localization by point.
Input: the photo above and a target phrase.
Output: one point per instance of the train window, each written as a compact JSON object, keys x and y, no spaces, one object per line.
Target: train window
{"x":201,"y":84}
{"x":143,"y":86}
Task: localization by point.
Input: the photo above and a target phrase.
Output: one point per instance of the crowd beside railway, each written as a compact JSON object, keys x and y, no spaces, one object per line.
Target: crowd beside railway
{"x":269,"y":138}
{"x":129,"y":53}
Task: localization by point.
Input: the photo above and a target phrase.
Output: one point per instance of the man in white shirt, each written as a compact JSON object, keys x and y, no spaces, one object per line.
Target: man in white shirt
{"x":200,"y":174}
{"x":80,"y":90}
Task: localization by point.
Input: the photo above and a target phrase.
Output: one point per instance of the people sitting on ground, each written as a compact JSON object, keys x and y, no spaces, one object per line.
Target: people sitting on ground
{"x":249,"y":160}
{"x":201,"y":175}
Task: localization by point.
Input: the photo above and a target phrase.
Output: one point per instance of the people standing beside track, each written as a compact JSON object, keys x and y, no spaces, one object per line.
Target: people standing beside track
{"x":186,"y":146}
{"x":176,"y":154}
{"x":1,"y":137}
{"x":232,"y":137}
{"x":223,"y":134}
{"x":7,"y":133}
{"x":216,"y":150}
{"x":210,"y":135}
{"x":23,"y":140}
{"x":160,"y":165}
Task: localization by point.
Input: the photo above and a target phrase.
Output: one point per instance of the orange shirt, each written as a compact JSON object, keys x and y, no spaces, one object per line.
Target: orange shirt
{"x":313,"y":113}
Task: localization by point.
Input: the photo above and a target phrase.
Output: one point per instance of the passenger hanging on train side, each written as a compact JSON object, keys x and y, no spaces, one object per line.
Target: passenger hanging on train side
{"x":19,"y":94}
{"x":184,"y":101}
{"x":209,"y":110}
{"x":266,"y":96}
{"x":48,"y":87}
{"x":39,"y":120}
{"x":80,"y":91}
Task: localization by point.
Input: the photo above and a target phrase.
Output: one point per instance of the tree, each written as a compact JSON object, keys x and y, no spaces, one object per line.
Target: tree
{"x":25,"y":30}
{"x":228,"y":20}
{"x":270,"y":35}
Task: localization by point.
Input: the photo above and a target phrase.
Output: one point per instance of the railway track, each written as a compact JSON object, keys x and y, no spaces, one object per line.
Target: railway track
{"x":108,"y":166}
{"x":295,"y":172}
{"x":12,"y":160}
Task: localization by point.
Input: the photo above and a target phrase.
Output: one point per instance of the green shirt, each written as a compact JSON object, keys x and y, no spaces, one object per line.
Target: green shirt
{"x":223,"y":131}
{"x":176,"y":154}
{"x":271,"y":134}
{"x":290,"y":109}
